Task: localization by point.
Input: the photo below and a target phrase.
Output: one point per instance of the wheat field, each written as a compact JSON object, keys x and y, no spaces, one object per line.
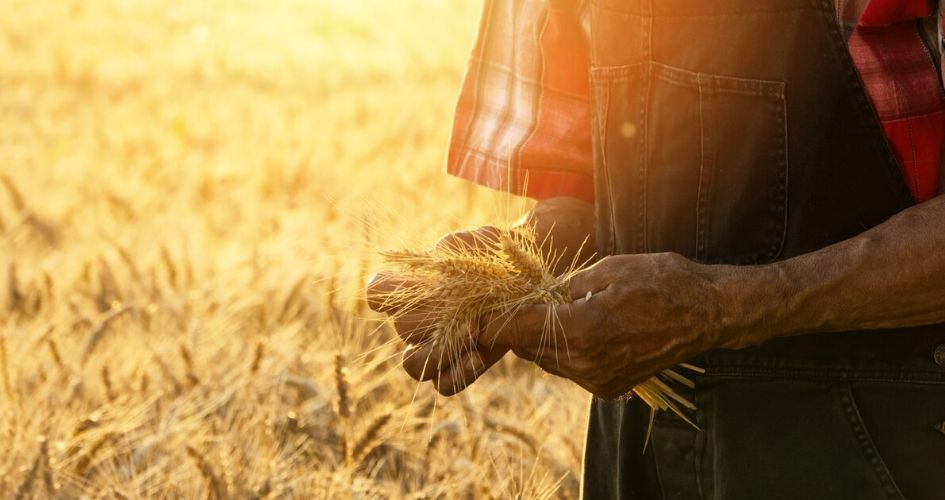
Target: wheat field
{"x":192,"y":195}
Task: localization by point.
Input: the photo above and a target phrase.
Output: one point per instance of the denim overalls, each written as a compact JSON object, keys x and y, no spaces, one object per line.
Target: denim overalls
{"x":739,"y":132}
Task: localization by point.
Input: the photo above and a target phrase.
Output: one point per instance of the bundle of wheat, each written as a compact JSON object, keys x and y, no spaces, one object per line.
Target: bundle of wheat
{"x":494,"y":276}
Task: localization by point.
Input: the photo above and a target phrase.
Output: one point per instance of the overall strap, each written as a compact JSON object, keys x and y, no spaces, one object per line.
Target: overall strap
{"x":941,"y":37}
{"x":940,"y":22}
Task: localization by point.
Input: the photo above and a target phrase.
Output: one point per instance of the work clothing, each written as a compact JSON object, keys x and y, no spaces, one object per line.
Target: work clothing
{"x":736,"y":132}
{"x":525,"y":109}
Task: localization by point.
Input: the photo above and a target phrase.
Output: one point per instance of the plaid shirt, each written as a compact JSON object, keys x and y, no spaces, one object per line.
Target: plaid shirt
{"x":523,"y":121}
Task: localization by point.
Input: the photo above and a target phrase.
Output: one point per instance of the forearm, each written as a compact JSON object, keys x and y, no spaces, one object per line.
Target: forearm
{"x":890,"y":276}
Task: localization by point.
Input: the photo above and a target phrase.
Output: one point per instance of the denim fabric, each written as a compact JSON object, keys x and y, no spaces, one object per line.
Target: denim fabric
{"x":739,"y":132}
{"x":769,"y":431}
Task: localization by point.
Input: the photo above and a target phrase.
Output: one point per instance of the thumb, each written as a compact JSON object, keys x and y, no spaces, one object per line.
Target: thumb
{"x":521,"y":328}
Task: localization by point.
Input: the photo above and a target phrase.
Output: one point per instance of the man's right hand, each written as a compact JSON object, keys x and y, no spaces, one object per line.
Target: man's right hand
{"x":565,"y":224}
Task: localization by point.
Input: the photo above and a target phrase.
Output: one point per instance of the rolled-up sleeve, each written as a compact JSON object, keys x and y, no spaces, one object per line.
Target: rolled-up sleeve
{"x":523,"y":120}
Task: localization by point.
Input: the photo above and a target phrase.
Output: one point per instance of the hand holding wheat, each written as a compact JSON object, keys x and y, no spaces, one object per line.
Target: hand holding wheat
{"x":490,"y":292}
{"x":449,"y":370}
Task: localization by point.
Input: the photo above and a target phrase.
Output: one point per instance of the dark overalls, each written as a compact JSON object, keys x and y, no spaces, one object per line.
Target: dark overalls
{"x":738,"y":131}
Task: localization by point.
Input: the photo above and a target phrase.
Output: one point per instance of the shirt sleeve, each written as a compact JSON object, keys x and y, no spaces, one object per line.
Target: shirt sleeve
{"x":873,"y":13}
{"x":523,"y":120}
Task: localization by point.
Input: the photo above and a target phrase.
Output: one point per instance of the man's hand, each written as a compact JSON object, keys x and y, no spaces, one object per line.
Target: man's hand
{"x":649,"y":312}
{"x":450,"y":372}
{"x":646,"y":313}
{"x":563,"y":223}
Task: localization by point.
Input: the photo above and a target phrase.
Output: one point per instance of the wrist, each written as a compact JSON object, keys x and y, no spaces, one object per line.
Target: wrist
{"x":755,"y":305}
{"x":565,"y":226}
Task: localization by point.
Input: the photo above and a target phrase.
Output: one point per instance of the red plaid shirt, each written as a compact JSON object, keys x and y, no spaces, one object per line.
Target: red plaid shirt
{"x":523,"y":121}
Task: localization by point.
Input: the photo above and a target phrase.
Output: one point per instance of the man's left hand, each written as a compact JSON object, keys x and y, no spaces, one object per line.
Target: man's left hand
{"x":646,"y":313}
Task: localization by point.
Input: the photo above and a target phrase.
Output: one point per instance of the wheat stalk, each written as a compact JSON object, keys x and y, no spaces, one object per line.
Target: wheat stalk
{"x":129,"y":262}
{"x":107,"y":383}
{"x":257,"y":357}
{"x":54,"y":352}
{"x":343,"y":403}
{"x":305,"y":387}
{"x":497,"y":275}
{"x":189,"y":366}
{"x":216,"y":487}
{"x":85,"y":461}
{"x":167,"y":372}
{"x":26,"y":484}
{"x":169,"y":266}
{"x":96,"y":334}
{"x":5,"y":369}
{"x":16,"y":199}
{"x":48,"y":480}
{"x":369,"y":439}
{"x":15,"y":295}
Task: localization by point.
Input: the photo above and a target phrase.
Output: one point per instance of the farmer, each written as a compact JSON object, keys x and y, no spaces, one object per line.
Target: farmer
{"x":762,"y":182}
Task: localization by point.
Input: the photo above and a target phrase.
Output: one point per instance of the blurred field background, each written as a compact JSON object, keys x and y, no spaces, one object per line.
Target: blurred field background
{"x":191,"y":197}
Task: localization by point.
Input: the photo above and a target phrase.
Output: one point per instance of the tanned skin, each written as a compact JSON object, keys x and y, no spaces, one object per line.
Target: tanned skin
{"x":649,"y":312}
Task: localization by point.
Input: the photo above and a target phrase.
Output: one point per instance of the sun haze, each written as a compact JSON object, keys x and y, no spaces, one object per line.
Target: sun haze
{"x":192,"y":195}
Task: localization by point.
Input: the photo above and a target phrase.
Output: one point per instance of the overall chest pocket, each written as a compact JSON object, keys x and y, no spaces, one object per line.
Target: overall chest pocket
{"x":694,"y":163}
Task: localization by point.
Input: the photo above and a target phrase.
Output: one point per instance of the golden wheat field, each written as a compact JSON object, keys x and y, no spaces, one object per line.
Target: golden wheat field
{"x":192,"y":195}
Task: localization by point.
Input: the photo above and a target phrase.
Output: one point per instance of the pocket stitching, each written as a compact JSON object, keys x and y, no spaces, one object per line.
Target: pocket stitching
{"x":603,"y":78}
{"x":712,"y":85}
{"x":865,"y":441}
{"x":706,"y":182}
{"x":602,"y":119}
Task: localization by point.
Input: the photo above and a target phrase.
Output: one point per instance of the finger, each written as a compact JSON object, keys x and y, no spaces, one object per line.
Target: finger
{"x":417,"y":325}
{"x":553,"y":366}
{"x":526,"y":326}
{"x":427,"y":361}
{"x":586,"y":284}
{"x":520,"y":328}
{"x":470,"y":367}
{"x":382,"y":287}
{"x":422,"y":362}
